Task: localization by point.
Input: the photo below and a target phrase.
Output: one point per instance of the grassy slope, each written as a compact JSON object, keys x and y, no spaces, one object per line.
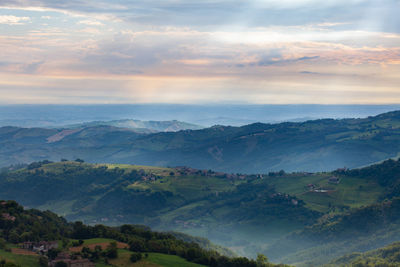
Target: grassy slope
{"x":123,"y":260}
{"x":22,"y":260}
{"x":153,"y":260}
{"x":170,"y":260}
{"x":358,"y":230}
{"x":204,"y":206}
{"x":217,"y":218}
{"x":386,"y":256}
{"x":351,"y":192}
{"x":191,"y":187}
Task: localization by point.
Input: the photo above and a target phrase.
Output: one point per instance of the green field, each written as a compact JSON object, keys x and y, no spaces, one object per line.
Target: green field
{"x":153,"y":259}
{"x":22,"y":260}
{"x":97,"y":240}
{"x":170,"y":260}
{"x":148,"y":169}
{"x":123,"y":260}
{"x":191,"y":187}
{"x":351,"y":192}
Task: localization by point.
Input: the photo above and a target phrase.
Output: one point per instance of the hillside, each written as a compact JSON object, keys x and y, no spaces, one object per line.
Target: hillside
{"x":229,"y":209}
{"x":202,"y":203}
{"x":331,"y":214}
{"x":126,"y":245}
{"x":386,"y":256}
{"x":21,"y":145}
{"x":358,"y":230}
{"x":318,"y":145}
{"x":361,"y":212}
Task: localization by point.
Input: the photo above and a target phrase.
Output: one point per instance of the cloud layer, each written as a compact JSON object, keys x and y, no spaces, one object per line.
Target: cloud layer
{"x":175,"y":51}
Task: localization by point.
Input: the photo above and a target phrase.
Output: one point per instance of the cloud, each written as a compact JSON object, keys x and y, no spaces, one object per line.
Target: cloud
{"x":283,"y":61}
{"x":331,"y":24}
{"x":13,"y":20}
{"x":91,"y":22}
{"x":32,"y":68}
{"x":200,"y":50}
{"x":22,"y":68}
{"x":358,"y":14}
{"x":310,"y":72}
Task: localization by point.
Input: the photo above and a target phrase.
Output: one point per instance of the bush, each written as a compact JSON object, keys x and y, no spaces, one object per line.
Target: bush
{"x":136,"y":256}
{"x":2,"y":243}
{"x":61,"y":264}
{"x":112,"y":251}
{"x":77,"y":243}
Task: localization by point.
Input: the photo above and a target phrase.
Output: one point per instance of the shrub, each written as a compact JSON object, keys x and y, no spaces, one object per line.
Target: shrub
{"x":136,"y":256}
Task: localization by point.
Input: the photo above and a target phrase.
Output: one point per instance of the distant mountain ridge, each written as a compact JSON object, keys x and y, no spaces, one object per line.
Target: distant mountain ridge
{"x":46,"y":116}
{"x":317,"y":145}
{"x":141,"y":126}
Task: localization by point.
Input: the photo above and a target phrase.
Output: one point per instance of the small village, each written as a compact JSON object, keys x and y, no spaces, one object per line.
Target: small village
{"x":317,"y":189}
{"x":43,"y":247}
{"x":187,"y":171}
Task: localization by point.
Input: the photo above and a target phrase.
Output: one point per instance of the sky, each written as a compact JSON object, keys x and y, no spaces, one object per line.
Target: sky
{"x":196,"y":52}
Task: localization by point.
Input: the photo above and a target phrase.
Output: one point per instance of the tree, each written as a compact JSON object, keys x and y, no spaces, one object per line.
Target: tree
{"x":13,"y":237}
{"x":262,"y":260}
{"x":2,"y":243}
{"x":65,"y":242}
{"x":137,"y":245}
{"x":136,"y":256}
{"x":61,"y":264}
{"x":52,"y":253}
{"x":112,"y":250}
{"x":10,"y":264}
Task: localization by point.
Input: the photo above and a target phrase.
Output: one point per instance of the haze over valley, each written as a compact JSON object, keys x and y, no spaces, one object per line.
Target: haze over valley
{"x":184,"y":133}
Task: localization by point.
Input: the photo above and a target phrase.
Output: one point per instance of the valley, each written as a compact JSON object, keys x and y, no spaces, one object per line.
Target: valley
{"x":187,"y":133}
{"x":301,"y":217}
{"x":33,"y":238}
{"x":228,"y":209}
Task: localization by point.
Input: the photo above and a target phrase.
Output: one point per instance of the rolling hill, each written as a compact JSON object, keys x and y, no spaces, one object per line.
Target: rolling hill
{"x":386,"y":256}
{"x":358,"y":230}
{"x":125,"y":245}
{"x":355,"y":229}
{"x":229,"y":209}
{"x":202,"y":203}
{"x":318,"y":145}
